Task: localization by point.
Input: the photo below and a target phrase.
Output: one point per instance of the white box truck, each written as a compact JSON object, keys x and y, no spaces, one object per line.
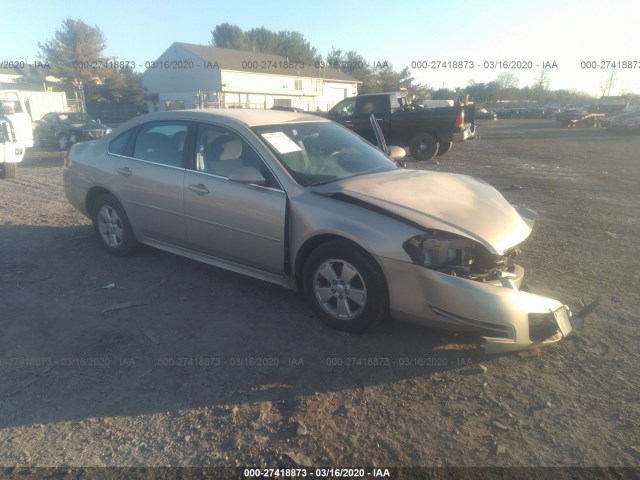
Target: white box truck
{"x":39,"y":103}
{"x":18,"y":109}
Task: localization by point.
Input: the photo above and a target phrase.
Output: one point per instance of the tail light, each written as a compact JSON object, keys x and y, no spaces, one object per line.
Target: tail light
{"x":460,"y":120}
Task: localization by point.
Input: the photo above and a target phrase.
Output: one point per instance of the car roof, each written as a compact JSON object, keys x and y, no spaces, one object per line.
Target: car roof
{"x":248,"y":117}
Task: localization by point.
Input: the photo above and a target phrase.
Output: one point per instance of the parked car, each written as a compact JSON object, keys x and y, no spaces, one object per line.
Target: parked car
{"x":579,"y":116}
{"x":607,"y":120}
{"x":300,"y":201}
{"x":628,"y":122}
{"x":484,"y":114}
{"x":63,"y":129}
{"x":550,"y":112}
{"x":508,"y":113}
{"x":534,"y":112}
{"x":427,"y":132}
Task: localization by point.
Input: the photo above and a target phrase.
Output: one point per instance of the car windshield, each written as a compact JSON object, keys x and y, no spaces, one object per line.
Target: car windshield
{"x":74,"y":117}
{"x":322,"y":152}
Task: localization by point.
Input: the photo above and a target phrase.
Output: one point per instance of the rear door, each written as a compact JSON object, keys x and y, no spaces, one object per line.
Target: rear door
{"x":149,"y":179}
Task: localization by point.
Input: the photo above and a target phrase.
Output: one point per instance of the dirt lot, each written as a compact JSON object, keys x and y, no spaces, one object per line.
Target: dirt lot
{"x":215,"y":369}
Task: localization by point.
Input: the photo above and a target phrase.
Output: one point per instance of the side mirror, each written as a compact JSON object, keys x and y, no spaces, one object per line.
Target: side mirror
{"x":396,"y":153}
{"x":247,"y":175}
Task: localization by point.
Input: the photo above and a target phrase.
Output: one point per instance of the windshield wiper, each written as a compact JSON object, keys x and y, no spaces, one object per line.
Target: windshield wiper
{"x":317,"y":184}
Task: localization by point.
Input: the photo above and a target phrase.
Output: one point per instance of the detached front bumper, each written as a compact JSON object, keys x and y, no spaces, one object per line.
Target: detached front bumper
{"x":509,"y":319}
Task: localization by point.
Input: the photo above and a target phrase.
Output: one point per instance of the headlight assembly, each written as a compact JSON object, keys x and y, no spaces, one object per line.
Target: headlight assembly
{"x":439,"y":250}
{"x":456,"y":255}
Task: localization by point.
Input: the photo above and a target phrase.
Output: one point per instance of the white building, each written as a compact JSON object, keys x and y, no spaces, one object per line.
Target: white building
{"x":199,"y":76}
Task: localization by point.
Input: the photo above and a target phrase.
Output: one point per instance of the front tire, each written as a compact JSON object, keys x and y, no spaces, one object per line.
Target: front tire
{"x":423,"y":146}
{"x":8,"y":170}
{"x":112,"y":226}
{"x":345,"y":287}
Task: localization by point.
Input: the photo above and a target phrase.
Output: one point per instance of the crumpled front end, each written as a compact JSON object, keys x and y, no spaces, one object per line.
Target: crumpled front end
{"x":491,"y":304}
{"x":458,"y":270}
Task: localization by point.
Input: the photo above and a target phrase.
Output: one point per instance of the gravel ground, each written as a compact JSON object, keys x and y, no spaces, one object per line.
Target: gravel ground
{"x":214,"y":369}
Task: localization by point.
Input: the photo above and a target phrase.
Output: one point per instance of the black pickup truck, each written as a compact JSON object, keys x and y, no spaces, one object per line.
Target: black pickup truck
{"x":426,"y":131}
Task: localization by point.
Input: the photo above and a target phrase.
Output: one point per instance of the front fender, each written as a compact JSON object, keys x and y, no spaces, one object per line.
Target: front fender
{"x":312,"y":215}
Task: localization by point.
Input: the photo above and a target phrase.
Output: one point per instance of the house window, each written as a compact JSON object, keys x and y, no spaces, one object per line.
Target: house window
{"x":174,"y":105}
{"x":298,"y":84}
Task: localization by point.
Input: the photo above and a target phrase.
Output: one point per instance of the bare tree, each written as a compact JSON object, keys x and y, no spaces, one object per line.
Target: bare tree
{"x":542,"y":80}
{"x":507,"y":80}
{"x":507,"y":83}
{"x":612,"y":77}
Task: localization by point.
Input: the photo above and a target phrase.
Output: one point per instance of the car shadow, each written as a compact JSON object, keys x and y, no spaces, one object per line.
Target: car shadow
{"x":87,"y":335}
{"x":42,"y":157}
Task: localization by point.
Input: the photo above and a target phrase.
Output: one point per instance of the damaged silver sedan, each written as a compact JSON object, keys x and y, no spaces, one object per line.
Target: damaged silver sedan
{"x":300,"y":201}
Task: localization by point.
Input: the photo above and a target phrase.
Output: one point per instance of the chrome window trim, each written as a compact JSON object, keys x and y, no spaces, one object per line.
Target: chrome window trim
{"x":243,"y":137}
{"x":222,"y":177}
{"x":146,"y":161}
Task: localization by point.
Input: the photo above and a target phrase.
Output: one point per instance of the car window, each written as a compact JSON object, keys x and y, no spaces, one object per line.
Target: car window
{"x":369,"y":105}
{"x":345,"y":108}
{"x":10,"y":103}
{"x":322,"y":152}
{"x":75,"y":117}
{"x":221,"y":151}
{"x":118,"y":145}
{"x":162,"y":142}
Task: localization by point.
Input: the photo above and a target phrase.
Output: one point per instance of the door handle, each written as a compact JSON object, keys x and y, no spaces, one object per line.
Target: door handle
{"x":348,"y":121}
{"x":125,"y":172}
{"x":200,"y":189}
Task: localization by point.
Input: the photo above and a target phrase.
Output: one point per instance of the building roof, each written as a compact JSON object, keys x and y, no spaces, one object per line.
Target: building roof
{"x":243,"y":61}
{"x":23,"y":77}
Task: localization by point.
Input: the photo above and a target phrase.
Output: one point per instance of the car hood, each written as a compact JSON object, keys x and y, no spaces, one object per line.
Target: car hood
{"x":458,"y":204}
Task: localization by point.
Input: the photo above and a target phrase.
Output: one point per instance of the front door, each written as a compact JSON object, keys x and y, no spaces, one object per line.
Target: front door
{"x":238,"y":222}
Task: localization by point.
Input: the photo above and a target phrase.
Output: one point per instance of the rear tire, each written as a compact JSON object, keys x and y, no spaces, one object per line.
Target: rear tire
{"x":345,"y":287}
{"x":8,"y":170}
{"x":423,"y":146}
{"x":444,"y":148}
{"x":112,"y":226}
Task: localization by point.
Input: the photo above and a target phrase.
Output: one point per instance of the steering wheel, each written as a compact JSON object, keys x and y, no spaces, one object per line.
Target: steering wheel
{"x":334,"y":156}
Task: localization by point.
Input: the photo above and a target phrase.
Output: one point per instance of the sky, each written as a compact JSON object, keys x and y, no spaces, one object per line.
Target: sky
{"x":491,"y":35}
